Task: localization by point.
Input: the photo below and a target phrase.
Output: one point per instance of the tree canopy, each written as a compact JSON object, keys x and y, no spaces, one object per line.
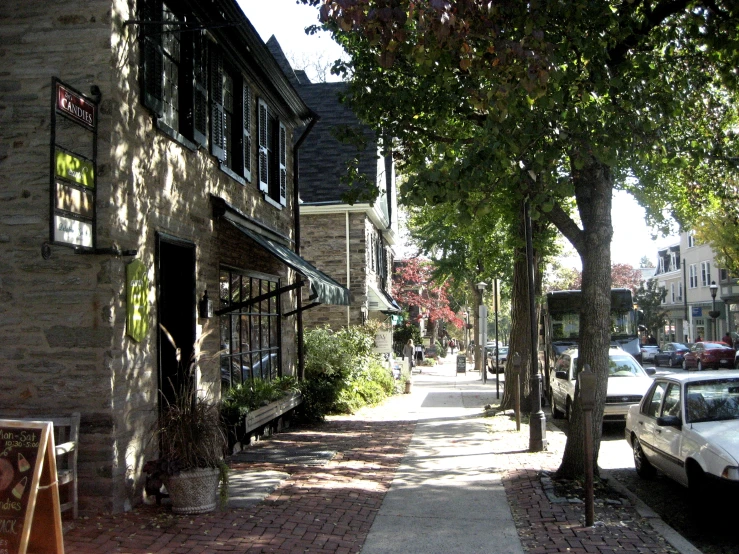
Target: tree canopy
{"x":547,"y":102}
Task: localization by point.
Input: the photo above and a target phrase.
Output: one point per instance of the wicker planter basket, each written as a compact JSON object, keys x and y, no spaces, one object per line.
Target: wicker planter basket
{"x":194,"y":491}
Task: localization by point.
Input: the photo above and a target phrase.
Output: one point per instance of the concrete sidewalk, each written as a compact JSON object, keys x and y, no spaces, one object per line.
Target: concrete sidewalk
{"x":425,"y":472}
{"x":446,"y":495}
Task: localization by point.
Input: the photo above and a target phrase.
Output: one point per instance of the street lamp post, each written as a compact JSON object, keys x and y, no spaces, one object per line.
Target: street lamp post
{"x":466,"y":316}
{"x":713,"y":313}
{"x":537,"y":419}
{"x":482,"y":318}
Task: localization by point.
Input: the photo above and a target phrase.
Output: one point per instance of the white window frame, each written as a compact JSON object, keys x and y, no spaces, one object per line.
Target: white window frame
{"x":693,"y":276}
{"x":680,"y":290}
{"x":705,"y":274}
{"x":691,"y":240}
{"x":672,"y":292}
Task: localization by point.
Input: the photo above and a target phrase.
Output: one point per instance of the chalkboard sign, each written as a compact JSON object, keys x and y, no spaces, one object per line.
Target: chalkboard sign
{"x":461,"y":364}
{"x":30,"y":518}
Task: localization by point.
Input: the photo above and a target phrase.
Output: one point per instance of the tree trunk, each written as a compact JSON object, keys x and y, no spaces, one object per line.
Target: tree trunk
{"x":593,"y":190}
{"x":520,"y":340}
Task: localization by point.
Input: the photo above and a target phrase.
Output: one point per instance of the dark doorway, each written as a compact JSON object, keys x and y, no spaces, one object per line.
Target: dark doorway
{"x":176,"y":311}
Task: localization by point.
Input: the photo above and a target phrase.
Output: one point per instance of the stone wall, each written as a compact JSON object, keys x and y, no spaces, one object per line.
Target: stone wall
{"x":62,"y":319}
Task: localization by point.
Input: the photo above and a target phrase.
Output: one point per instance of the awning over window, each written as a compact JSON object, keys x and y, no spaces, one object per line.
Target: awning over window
{"x":325,"y":289}
{"x":380,"y":301}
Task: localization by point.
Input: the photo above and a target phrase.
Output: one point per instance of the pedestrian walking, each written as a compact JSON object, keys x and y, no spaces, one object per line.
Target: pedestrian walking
{"x":409,"y":353}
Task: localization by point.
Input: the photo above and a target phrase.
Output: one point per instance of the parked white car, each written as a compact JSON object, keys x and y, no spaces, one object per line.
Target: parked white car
{"x":627,"y":383}
{"x":687,"y":426}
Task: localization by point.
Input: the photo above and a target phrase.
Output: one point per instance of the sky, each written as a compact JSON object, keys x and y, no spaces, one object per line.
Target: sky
{"x":287,"y":21}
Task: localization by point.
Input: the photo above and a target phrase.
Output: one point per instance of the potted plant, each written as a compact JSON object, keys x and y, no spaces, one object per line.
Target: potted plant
{"x":192,"y":441}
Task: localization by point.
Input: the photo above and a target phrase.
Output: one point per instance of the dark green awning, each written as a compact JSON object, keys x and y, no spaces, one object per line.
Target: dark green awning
{"x":325,"y":289}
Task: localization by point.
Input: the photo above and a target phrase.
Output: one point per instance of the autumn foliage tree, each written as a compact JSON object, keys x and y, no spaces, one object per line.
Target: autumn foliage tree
{"x":414,"y":285}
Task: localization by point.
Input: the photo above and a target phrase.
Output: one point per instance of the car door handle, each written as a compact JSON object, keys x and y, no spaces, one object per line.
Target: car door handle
{"x":641,"y":422}
{"x":658,"y":431}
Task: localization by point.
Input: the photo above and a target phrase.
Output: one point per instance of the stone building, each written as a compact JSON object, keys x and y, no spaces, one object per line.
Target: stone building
{"x":148,"y":150}
{"x":352,"y":242}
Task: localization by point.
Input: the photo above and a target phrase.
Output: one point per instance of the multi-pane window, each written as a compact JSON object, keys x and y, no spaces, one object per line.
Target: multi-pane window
{"x":691,"y":240}
{"x":171,"y":60}
{"x":228,"y":119}
{"x":680,"y":290}
{"x":173,"y":72}
{"x":705,"y":274}
{"x":673,"y":261}
{"x":672,"y":292}
{"x":693,"y":276}
{"x":250,"y":335}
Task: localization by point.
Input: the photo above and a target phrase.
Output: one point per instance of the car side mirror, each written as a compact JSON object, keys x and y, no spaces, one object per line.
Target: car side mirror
{"x":650,"y":370}
{"x":670,"y":421}
{"x":561,"y":374}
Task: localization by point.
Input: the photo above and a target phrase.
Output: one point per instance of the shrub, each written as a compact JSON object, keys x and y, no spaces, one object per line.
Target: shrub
{"x":342,"y":373}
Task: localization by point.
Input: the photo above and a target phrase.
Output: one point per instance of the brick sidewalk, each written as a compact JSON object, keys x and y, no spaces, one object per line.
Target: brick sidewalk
{"x":327,"y":509}
{"x":330,"y":508}
{"x":547,"y":524}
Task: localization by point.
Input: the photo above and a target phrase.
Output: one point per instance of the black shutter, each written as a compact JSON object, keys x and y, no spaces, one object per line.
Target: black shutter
{"x":200,"y":89}
{"x":152,"y":64}
{"x":246,"y":123}
{"x":263,"y":150}
{"x":217,"y":136}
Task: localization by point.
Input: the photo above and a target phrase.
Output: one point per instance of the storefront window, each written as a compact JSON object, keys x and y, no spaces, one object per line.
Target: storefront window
{"x":250,"y":335}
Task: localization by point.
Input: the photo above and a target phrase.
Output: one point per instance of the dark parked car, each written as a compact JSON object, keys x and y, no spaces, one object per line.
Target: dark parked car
{"x":265,"y":368}
{"x":707,"y":354}
{"x":671,"y":354}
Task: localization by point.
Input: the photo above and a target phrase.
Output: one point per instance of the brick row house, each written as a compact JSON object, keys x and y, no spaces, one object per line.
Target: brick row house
{"x":148,"y":150}
{"x":352,"y":242}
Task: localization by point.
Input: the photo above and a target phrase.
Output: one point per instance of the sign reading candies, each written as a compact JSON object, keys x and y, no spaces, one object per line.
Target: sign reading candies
{"x":29,"y":493}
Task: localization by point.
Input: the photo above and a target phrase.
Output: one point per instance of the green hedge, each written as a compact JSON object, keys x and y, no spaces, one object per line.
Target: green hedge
{"x":342,"y":374}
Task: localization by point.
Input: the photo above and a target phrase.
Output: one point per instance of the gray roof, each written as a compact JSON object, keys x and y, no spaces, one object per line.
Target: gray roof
{"x":323,"y":156}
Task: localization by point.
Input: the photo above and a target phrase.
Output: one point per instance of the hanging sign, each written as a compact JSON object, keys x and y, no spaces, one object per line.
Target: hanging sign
{"x":383,"y":342}
{"x":75,"y":106}
{"x":73,"y":175}
{"x":30,"y":517}
{"x":74,"y":168}
{"x":137,"y":300}
{"x":72,"y":231}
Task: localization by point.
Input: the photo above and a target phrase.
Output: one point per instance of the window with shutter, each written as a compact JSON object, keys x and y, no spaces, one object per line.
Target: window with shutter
{"x":152,"y":69}
{"x":217,"y":137}
{"x":174,"y":72}
{"x":200,"y":90}
{"x":283,"y":165}
{"x":246,"y":141}
{"x":263,"y":147}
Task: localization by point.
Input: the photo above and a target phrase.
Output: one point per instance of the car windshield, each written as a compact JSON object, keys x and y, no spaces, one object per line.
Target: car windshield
{"x":679,"y":346}
{"x":621,"y":365}
{"x":715,"y":400}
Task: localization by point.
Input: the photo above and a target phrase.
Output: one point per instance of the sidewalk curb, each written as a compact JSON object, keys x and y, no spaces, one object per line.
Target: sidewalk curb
{"x":675,"y":539}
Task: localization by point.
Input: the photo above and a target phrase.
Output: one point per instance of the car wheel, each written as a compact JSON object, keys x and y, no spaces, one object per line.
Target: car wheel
{"x":644,"y":468}
{"x":696,"y":481}
{"x":685,"y":365}
{"x":700,"y":365}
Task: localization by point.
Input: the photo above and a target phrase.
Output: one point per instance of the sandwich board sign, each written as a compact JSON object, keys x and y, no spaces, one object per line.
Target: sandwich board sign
{"x":30,"y":517}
